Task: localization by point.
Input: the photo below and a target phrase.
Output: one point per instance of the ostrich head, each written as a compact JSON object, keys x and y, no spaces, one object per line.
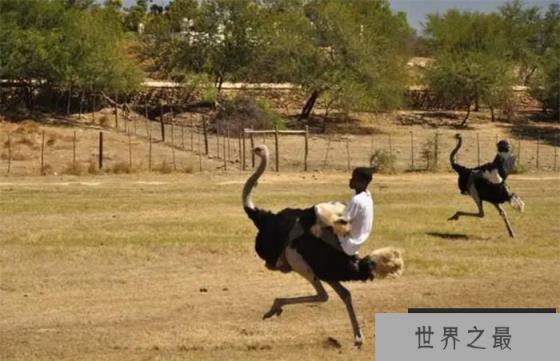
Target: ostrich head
{"x":261,"y":151}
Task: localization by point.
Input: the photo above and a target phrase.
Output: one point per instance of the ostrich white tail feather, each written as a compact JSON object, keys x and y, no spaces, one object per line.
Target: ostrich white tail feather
{"x":389,"y":262}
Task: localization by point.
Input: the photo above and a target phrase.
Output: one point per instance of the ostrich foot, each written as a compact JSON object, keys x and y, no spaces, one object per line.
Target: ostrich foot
{"x":453,"y":217}
{"x":358,"y":340}
{"x":274,"y":311}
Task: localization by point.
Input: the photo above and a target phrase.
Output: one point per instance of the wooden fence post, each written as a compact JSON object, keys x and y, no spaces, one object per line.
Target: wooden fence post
{"x":192,"y":136}
{"x":538,"y":148}
{"x":100,"y":162}
{"x":411,"y":150}
{"x":555,"y":152}
{"x":348,"y":153}
{"x":74,"y":152}
{"x":325,"y":161}
{"x":129,"y":153}
{"x":436,"y":149}
{"x":228,"y":143}
{"x":173,"y":146}
{"x":277,"y":151}
{"x":199,"y":151}
{"x":43,"y":152}
{"x":306,"y":149}
{"x":244,"y":153}
{"x":240,"y":152}
{"x":217,"y":141}
{"x":9,"y":153}
{"x":135,"y":122}
{"x":478,"y":149}
{"x":252,"y":143}
{"x":161,"y":121}
{"x":150,"y":152}
{"x":116,"y":116}
{"x":205,"y":131}
{"x":224,"y":152}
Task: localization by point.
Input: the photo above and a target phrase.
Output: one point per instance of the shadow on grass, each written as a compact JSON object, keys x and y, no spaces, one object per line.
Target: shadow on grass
{"x":546,"y":134}
{"x":450,"y":236}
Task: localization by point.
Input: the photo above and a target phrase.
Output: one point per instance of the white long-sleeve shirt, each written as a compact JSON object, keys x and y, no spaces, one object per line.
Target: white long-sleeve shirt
{"x":359,"y":213}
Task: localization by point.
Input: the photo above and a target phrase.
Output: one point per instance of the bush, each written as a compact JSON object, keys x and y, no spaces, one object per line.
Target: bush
{"x":79,"y":169}
{"x":92,"y":167}
{"x":429,"y":154}
{"x":104,"y":121}
{"x":246,"y":112}
{"x":384,"y":161}
{"x":164,"y":168}
{"x":121,"y":168}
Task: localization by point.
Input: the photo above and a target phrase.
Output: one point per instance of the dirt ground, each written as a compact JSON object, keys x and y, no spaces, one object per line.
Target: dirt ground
{"x":162,"y":267}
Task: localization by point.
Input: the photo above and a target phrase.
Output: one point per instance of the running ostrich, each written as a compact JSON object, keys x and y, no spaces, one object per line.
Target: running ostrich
{"x":486,"y":183}
{"x":284,"y":250}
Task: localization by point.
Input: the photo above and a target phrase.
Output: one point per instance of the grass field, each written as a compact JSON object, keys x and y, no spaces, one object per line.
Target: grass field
{"x":162,"y":267}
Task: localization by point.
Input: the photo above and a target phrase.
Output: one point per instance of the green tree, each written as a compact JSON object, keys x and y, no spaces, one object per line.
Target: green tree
{"x":470,"y":66}
{"x":63,"y":49}
{"x":363,"y":45}
{"x":135,"y":15}
{"x":546,"y":84}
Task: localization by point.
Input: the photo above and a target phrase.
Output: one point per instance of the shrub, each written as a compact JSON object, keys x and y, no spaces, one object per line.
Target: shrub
{"x":104,"y":121}
{"x":121,"y":168}
{"x":92,"y":167}
{"x":246,"y":112}
{"x":70,"y":169}
{"x":164,"y":168}
{"x":384,"y":161}
{"x":430,"y":154}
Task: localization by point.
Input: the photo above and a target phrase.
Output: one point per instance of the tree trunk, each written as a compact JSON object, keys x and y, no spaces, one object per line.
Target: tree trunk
{"x":492,"y":114}
{"x":464,"y":122}
{"x":219,"y":82}
{"x":309,"y":104}
{"x":68,"y":102}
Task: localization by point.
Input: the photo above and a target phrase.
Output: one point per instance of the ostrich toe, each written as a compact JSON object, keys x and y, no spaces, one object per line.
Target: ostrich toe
{"x":274,"y":310}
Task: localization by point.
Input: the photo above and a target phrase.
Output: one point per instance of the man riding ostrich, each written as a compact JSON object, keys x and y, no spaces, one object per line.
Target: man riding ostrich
{"x":287,"y":241}
{"x":487,"y":182}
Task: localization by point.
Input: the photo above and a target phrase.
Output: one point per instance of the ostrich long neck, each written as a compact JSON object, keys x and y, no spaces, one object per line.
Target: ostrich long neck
{"x":454,"y":151}
{"x":252,"y":181}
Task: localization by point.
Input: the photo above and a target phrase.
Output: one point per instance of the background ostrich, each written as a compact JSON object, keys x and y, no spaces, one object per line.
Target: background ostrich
{"x":480,"y":190}
{"x":310,"y":257}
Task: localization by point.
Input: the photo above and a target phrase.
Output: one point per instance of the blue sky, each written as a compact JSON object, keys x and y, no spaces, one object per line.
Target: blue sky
{"x":417,"y":10}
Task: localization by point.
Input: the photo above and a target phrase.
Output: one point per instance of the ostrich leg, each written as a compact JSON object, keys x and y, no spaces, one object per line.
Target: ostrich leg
{"x":476,"y":199}
{"x":346,"y":297}
{"x":505,"y":218}
{"x":296,"y":262}
{"x":458,"y":214}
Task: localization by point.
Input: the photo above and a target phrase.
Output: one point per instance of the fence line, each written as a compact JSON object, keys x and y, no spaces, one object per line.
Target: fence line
{"x":407,"y":150}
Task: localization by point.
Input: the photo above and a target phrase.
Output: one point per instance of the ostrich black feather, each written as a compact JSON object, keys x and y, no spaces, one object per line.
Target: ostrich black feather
{"x":274,"y":229}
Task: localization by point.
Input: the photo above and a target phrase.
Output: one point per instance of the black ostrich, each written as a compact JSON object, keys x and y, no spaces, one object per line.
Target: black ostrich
{"x":481,"y":190}
{"x":307,"y":255}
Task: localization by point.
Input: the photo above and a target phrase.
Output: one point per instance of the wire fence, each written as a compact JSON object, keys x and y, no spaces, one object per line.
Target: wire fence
{"x":125,"y":142}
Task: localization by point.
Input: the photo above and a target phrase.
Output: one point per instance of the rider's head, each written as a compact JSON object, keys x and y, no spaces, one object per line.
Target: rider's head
{"x":503,"y":146}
